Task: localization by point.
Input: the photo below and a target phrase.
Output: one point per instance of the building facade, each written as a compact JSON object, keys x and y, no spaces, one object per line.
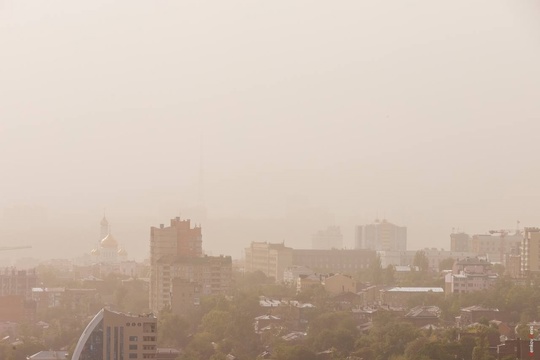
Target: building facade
{"x":495,"y":246}
{"x":381,"y":235}
{"x":176,"y":252}
{"x":115,"y":336}
{"x":530,"y":252}
{"x":470,"y":275}
{"x":179,"y":239}
{"x":209,"y":275}
{"x":460,"y":242}
{"x":270,"y":258}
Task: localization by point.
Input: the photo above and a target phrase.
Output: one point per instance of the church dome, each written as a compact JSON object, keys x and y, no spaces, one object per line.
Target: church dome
{"x":109,"y":242}
{"x":95,"y":252}
{"x":122,"y":252}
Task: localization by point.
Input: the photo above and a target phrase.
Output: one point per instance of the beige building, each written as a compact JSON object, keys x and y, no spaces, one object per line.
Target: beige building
{"x":212,"y":275}
{"x":178,"y":243}
{"x":381,"y":235}
{"x":185,"y":296}
{"x":496,"y":245}
{"x":530,"y":252}
{"x":339,"y":283}
{"x":271,"y":259}
{"x":112,"y":336}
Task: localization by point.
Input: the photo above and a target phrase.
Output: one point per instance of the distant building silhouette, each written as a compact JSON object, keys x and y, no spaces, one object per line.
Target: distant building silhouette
{"x":381,"y":235}
{"x":330,"y":238}
{"x":460,"y":242}
{"x":107,"y":251}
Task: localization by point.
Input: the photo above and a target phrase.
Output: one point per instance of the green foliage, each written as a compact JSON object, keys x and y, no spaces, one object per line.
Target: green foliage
{"x":421,"y":260}
{"x":389,"y":275}
{"x":376,"y":270}
{"x":446,"y":264}
{"x":173,"y":330}
{"x":216,"y":322}
{"x":294,"y":352}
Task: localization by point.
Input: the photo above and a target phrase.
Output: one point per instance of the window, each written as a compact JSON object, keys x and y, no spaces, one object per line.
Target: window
{"x":133,"y":338}
{"x":133,"y":347}
{"x":132,"y":356}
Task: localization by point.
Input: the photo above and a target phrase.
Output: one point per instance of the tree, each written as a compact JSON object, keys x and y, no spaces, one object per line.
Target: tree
{"x":421,"y":260}
{"x":446,"y":264}
{"x":376,"y":270}
{"x":173,"y":330}
{"x":389,"y":275}
{"x":216,"y":322}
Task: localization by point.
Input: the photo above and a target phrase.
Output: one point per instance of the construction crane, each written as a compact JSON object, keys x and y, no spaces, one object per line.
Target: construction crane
{"x":3,"y":248}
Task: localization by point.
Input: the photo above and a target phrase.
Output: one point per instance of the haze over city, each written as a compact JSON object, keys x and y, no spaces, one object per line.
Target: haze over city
{"x":265,"y":121}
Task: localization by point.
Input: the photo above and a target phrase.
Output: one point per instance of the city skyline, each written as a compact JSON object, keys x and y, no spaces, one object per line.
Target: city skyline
{"x":425,"y":114}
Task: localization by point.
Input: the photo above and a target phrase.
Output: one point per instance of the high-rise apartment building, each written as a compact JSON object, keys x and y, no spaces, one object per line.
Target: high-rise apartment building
{"x":112,"y":335}
{"x":495,"y":246}
{"x":270,"y":258}
{"x":176,"y":253}
{"x":179,"y":239}
{"x":381,"y":235}
{"x":530,"y":252}
{"x":330,"y":238}
{"x":460,"y":242}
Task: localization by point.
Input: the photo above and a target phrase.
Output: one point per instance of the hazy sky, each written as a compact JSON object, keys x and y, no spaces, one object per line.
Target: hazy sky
{"x":319,"y":112}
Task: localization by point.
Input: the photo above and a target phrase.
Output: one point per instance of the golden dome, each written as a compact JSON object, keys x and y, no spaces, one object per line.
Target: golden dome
{"x":122,"y":252}
{"x":109,"y":242}
{"x":94,"y":252}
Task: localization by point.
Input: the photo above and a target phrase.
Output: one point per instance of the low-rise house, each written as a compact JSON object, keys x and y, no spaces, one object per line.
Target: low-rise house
{"x":474,"y":314}
{"x":400,"y":296}
{"x":265,"y":322}
{"x":424,"y":315}
{"x":339,"y":283}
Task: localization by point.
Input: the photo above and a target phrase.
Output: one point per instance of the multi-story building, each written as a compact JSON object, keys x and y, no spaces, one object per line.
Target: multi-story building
{"x":179,"y":239}
{"x":381,"y":235}
{"x":211,"y":275}
{"x":334,"y":261}
{"x":495,"y":246}
{"x":270,"y":258}
{"x":460,"y":242}
{"x":115,"y":336}
{"x":470,"y":275}
{"x":176,"y":253}
{"x":17,"y":282}
{"x":530,"y":252}
{"x":330,"y":238}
